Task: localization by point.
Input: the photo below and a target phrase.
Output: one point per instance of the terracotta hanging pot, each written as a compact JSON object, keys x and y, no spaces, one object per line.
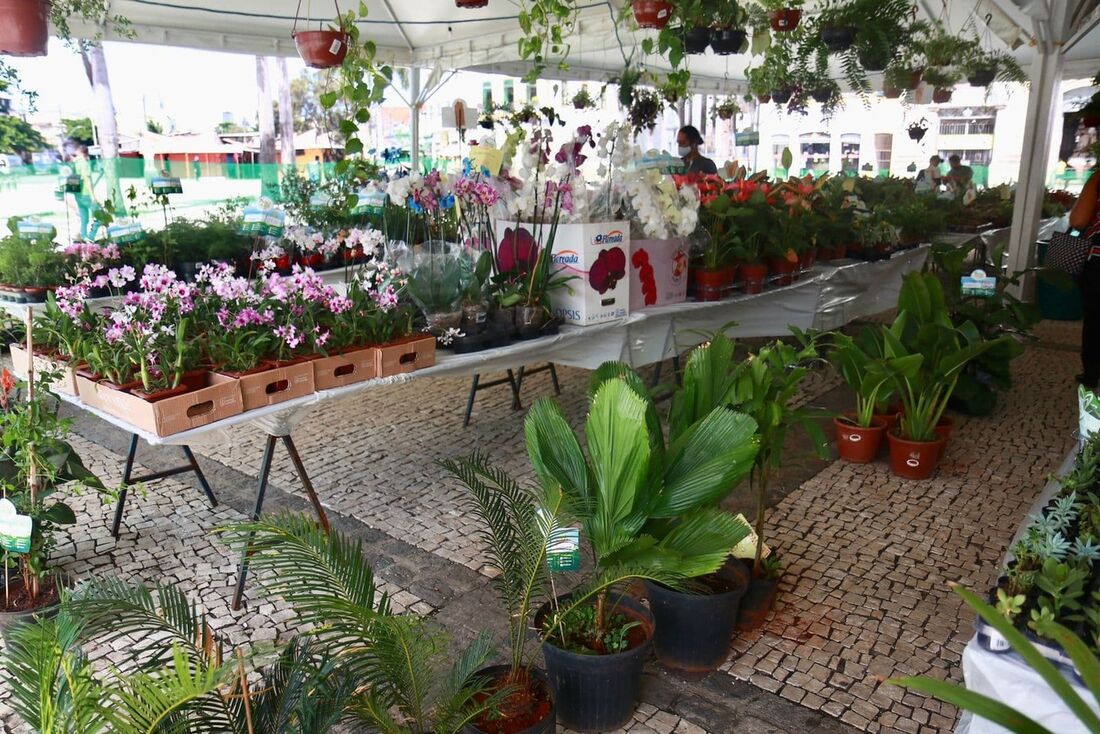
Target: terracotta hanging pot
{"x":785,"y":19}
{"x":942,"y":96}
{"x":322,"y":49}
{"x":471,"y":3}
{"x":652,"y":13}
{"x":25,"y":30}
{"x":890,"y":92}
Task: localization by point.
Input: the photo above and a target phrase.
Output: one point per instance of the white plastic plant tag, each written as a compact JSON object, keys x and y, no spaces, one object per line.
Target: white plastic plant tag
{"x":15,"y":529}
{"x":337,"y":44}
{"x":747,"y":547}
{"x":563,"y":545}
{"x":1088,"y":421}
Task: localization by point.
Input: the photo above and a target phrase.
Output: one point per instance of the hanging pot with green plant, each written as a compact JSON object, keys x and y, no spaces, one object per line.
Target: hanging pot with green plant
{"x":727,"y":109}
{"x":652,"y":13}
{"x":645,"y":110}
{"x":26,"y":27}
{"x":471,"y":3}
{"x":983,"y":68}
{"x":697,"y":39}
{"x":324,"y":48}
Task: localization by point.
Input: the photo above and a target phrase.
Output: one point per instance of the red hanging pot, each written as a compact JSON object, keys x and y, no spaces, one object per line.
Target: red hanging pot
{"x":471,"y":3}
{"x":785,"y":19}
{"x":25,"y":30}
{"x":941,"y":96}
{"x":321,"y":49}
{"x":652,"y":13}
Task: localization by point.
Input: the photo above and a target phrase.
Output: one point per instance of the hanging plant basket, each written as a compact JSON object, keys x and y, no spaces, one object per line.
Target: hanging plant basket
{"x":821,"y":95}
{"x":917,"y":133}
{"x":782,"y":96}
{"x":320,"y":49}
{"x":982,"y":77}
{"x":942,"y":96}
{"x":727,"y":41}
{"x":890,"y":92}
{"x":652,"y":13}
{"x":471,"y":3}
{"x":696,"y":40}
{"x":764,"y":98}
{"x":25,"y":30}
{"x":784,"y":19}
{"x":870,"y":61}
{"x":838,"y":38}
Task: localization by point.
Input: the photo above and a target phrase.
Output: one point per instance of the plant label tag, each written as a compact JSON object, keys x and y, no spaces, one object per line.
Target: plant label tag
{"x":335,"y":47}
{"x":747,"y":547}
{"x":563,"y":549}
{"x":979,"y":285}
{"x":15,"y":529}
{"x":997,"y":643}
{"x":488,"y":157}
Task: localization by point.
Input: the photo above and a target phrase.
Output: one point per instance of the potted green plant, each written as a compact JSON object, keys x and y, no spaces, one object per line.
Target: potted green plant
{"x":783,"y":15}
{"x":836,"y":24}
{"x":638,"y":500}
{"x":645,"y":110}
{"x":862,"y":364}
{"x":35,"y":460}
{"x":943,"y":80}
{"x":26,"y":30}
{"x":652,"y":13}
{"x":324,"y":48}
{"x":982,"y":68}
{"x":727,"y":109}
{"x":728,"y":32}
{"x":582,"y":100}
{"x":713,"y":271}
{"x":764,"y":388}
{"x":899,"y":77}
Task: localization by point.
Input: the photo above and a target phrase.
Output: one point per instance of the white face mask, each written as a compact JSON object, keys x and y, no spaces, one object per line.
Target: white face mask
{"x":684,"y":151}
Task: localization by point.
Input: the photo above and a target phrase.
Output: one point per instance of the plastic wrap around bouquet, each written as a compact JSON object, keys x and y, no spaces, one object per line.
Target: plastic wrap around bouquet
{"x":439,"y":274}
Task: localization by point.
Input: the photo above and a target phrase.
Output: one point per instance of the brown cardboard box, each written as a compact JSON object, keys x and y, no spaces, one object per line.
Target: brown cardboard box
{"x":65,"y":383}
{"x":221,"y":398}
{"x":277,"y":385}
{"x":406,"y":355}
{"x":345,"y":369}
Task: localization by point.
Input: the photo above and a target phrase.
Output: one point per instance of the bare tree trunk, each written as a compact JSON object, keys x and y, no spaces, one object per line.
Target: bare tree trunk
{"x":269,"y":174}
{"x":286,"y":115}
{"x":95,"y":67}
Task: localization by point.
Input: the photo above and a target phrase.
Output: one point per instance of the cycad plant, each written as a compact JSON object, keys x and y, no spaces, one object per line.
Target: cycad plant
{"x":357,"y":664}
{"x":647,"y":508}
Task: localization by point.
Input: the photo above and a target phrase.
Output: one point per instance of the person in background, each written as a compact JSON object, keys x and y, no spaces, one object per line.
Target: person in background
{"x":688,"y":141}
{"x":929,"y":179}
{"x":1085,"y":217}
{"x":960,"y":176}
{"x":85,"y":199}
{"x":313,"y":169}
{"x":196,"y":168}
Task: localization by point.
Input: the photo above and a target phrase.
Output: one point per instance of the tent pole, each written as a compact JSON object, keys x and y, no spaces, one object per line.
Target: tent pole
{"x":414,"y":116}
{"x":1043,"y":104}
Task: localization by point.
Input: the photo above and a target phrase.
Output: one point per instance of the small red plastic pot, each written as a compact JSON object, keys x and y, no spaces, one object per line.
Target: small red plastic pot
{"x":784,"y":19}
{"x":782,"y":269}
{"x":754,"y":275}
{"x":942,"y":96}
{"x":858,"y":444}
{"x":322,"y":49}
{"x":25,"y":30}
{"x":652,"y":13}
{"x":913,"y":459}
{"x":710,"y":285}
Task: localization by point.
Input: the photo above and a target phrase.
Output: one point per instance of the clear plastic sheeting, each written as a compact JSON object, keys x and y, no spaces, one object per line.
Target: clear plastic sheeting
{"x":855,"y":291}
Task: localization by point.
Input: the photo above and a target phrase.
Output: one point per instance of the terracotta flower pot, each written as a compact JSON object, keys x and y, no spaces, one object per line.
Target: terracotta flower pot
{"x":890,"y":92}
{"x":322,"y":49}
{"x":841,"y":251}
{"x":944,"y":427}
{"x":784,"y":19}
{"x":764,"y":98}
{"x":652,"y":13}
{"x":754,"y":275}
{"x":782,"y":270}
{"x":807,"y":259}
{"x":26,"y":29}
{"x":471,"y":3}
{"x":915,"y":76}
{"x":913,"y":459}
{"x":710,"y":285}
{"x":858,"y":444}
{"x":942,"y":96}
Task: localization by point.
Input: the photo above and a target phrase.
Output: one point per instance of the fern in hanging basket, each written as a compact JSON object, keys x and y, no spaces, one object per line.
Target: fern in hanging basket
{"x":727,"y":109}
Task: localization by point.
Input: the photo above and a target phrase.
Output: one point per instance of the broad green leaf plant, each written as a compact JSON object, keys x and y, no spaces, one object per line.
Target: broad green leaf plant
{"x":862,"y":364}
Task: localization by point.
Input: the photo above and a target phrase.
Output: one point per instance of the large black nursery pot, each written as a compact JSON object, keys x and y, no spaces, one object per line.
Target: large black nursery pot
{"x":547,"y":725}
{"x":870,"y":60}
{"x":10,"y":621}
{"x":821,"y":95}
{"x":727,"y":41}
{"x":838,"y":38}
{"x":598,"y":692}
{"x":758,"y":600}
{"x":693,"y":631}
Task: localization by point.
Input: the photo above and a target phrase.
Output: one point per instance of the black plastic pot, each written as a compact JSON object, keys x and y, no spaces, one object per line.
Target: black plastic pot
{"x":874,"y":62}
{"x":696,"y":40}
{"x":838,"y":38}
{"x":598,"y":692}
{"x":757,"y":603}
{"x":981,"y":77}
{"x":916,"y":133}
{"x":9,"y":621}
{"x":821,"y":95}
{"x":781,"y":96}
{"x":693,"y":631}
{"x":727,"y":41}
{"x":547,"y":725}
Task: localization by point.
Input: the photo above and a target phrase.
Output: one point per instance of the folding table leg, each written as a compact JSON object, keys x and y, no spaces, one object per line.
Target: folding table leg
{"x":470,"y":401}
{"x":515,"y":383}
{"x":200,"y":476}
{"x":301,"y":469}
{"x":554,"y":379}
{"x":261,"y":490}
{"x":126,"y":473}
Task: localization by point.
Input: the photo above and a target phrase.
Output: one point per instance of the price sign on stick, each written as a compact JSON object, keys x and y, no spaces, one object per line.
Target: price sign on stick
{"x":15,"y":529}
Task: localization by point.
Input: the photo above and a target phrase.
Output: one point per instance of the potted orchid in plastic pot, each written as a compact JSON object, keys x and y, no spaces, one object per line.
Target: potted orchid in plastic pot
{"x":571,"y":268}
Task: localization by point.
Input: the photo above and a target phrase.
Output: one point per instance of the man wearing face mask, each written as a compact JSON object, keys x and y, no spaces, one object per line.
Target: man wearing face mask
{"x":688,"y":141}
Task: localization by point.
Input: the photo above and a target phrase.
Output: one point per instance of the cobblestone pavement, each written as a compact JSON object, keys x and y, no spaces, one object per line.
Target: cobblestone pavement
{"x":868,"y":555}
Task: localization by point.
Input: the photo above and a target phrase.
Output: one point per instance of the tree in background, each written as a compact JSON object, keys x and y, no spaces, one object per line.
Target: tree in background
{"x":269,"y":173}
{"x":95,"y":67}
{"x":286,"y":115}
{"x":16,"y":136}
{"x":305,"y":93}
{"x":154,"y":127}
{"x":78,"y":129}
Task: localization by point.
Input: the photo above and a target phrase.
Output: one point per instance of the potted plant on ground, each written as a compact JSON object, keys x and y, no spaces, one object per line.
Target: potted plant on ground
{"x":861,"y":363}
{"x":764,"y":388}
{"x":35,"y":461}
{"x":638,"y":502}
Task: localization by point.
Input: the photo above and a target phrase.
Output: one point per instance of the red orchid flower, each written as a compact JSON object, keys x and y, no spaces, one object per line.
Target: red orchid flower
{"x":517,"y":252}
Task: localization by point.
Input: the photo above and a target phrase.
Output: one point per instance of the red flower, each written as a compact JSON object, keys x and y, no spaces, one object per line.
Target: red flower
{"x":517,"y":252}
{"x":608,"y":270}
{"x":7,"y":384}
{"x":640,"y":261}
